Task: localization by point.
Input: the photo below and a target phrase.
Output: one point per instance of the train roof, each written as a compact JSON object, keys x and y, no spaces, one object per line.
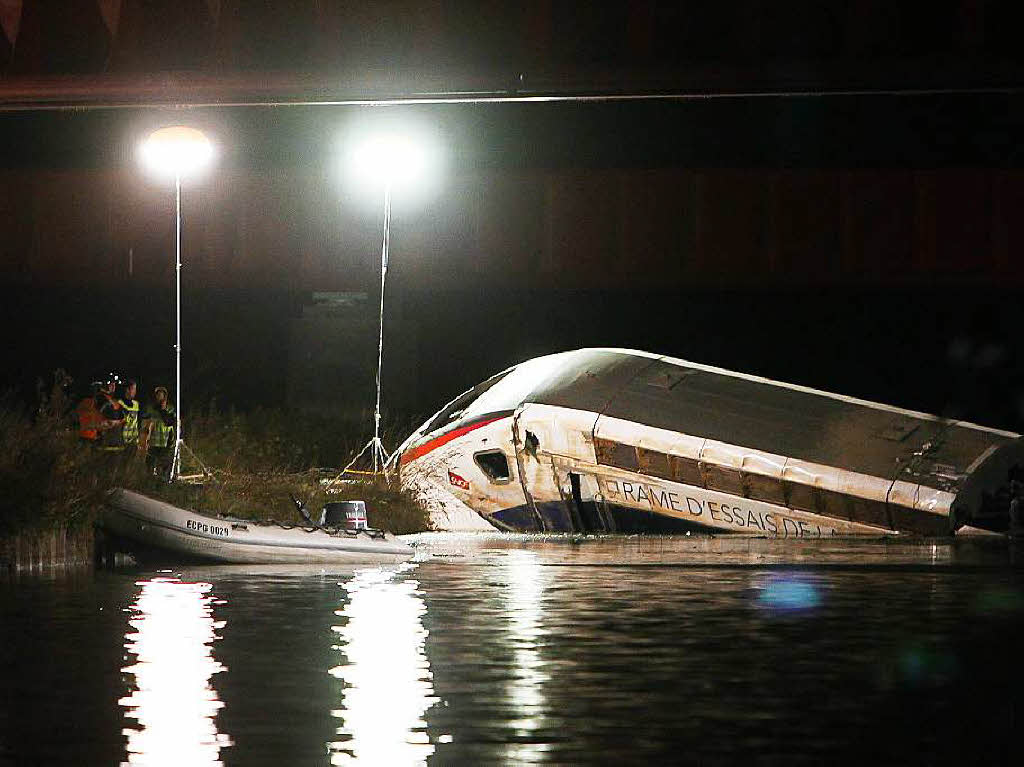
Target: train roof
{"x":753,"y":412}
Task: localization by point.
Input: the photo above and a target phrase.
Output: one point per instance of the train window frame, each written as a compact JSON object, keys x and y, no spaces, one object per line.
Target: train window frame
{"x":868,"y":511}
{"x":610,"y":452}
{"x":802,"y":497}
{"x":653,"y":463}
{"x":723,"y":479}
{"x":452,"y":412}
{"x":494,"y":480}
{"x":685,"y":470}
{"x":764,"y":488}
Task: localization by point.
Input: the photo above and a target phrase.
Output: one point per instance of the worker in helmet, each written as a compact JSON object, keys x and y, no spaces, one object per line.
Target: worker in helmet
{"x":110,"y":409}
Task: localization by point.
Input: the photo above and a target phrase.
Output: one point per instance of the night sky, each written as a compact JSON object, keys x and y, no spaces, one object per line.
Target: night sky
{"x":865,"y":243}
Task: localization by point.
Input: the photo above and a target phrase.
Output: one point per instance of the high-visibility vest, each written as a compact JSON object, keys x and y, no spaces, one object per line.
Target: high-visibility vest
{"x":161,"y":436}
{"x":130,"y":432}
{"x":89,"y":419}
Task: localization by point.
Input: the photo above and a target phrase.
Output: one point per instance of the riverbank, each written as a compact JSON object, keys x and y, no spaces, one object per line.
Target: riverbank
{"x":52,"y":486}
{"x":46,"y":550}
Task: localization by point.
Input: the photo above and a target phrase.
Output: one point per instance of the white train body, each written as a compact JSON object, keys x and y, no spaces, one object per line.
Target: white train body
{"x":613,"y":440}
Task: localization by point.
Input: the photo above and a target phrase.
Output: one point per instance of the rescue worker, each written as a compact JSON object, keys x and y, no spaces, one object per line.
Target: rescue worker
{"x":131,"y":418}
{"x":113,"y":416}
{"x":161,"y":435}
{"x":90,"y":420}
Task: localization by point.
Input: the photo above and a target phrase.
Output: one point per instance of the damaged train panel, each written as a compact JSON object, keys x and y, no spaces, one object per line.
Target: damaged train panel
{"x":617,"y":440}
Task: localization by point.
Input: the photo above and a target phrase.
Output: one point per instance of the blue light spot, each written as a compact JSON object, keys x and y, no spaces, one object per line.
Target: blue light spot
{"x":789,"y":594}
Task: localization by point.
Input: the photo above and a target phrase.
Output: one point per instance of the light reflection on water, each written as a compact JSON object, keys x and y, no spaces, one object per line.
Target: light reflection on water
{"x":524,"y":603}
{"x":387,"y":683}
{"x":510,"y":650}
{"x":172,"y":700}
{"x":789,"y":593}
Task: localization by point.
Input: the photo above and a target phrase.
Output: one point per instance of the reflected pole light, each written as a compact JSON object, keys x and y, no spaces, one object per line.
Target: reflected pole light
{"x":177,"y":152}
{"x":393,"y":160}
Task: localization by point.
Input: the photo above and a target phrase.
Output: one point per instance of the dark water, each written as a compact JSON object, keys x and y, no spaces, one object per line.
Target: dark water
{"x":498,"y":649}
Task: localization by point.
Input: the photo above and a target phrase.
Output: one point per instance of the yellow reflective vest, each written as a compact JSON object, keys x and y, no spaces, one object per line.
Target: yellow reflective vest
{"x":130,"y":432}
{"x":161,"y":434}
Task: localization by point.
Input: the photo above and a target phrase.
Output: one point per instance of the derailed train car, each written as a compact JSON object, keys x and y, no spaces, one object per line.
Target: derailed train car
{"x":614,"y":440}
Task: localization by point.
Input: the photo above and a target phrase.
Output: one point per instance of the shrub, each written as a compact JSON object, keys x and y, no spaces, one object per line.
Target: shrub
{"x":46,"y":477}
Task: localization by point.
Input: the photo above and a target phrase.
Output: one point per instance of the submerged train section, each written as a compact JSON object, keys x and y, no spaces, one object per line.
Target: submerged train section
{"x":614,"y":440}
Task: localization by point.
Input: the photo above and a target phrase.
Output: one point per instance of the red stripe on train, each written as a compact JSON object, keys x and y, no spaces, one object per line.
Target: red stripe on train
{"x":418,"y":452}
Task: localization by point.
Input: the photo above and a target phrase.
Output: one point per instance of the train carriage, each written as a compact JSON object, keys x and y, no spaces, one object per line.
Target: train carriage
{"x":615,"y":440}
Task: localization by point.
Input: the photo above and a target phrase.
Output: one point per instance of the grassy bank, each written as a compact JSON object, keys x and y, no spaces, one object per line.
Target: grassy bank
{"x":256,"y":460}
{"x":46,"y":479}
{"x":268,"y":496}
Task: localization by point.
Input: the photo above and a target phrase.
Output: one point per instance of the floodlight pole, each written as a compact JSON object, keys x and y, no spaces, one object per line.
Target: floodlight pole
{"x":381,"y":457}
{"x":379,"y":451}
{"x":176,"y":461}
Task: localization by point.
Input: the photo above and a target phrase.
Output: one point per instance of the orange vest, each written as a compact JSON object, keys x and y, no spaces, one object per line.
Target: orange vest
{"x":89,"y":419}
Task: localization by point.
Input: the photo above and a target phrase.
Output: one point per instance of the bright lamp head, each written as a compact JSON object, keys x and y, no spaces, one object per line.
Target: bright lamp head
{"x":393,"y":158}
{"x":403,"y":158}
{"x":176,"y":151}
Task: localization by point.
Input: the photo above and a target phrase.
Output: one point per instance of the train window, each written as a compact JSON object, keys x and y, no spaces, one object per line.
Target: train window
{"x":866,"y":511}
{"x":495,"y":465}
{"x":454,"y":409}
{"x":722,"y":479}
{"x":616,"y":454}
{"x":762,"y":488}
{"x":836,"y":505}
{"x":653,"y":463}
{"x":685,"y":470}
{"x":919,"y":522}
{"x":802,"y":497}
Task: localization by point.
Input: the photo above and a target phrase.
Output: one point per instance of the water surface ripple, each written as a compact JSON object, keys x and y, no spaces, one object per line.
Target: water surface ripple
{"x":493,"y":649}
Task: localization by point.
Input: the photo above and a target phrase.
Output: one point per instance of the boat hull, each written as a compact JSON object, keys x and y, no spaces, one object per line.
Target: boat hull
{"x":154,"y":529}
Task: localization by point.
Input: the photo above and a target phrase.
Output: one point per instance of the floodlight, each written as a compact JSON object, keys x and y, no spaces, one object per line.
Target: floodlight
{"x":176,"y":151}
{"x":405,"y":159}
{"x":388,"y":160}
{"x":392,"y":158}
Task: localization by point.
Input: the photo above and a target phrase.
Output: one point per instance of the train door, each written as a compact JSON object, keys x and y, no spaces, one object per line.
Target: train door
{"x":586,"y":507}
{"x":551,"y":442}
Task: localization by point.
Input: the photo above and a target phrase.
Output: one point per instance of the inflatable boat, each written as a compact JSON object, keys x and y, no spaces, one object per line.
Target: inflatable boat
{"x":152,"y":529}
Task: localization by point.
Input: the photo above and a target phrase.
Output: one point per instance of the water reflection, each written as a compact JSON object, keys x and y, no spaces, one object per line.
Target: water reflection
{"x":172,"y":699}
{"x":388,"y":685}
{"x":523,"y":601}
{"x":788,"y":593}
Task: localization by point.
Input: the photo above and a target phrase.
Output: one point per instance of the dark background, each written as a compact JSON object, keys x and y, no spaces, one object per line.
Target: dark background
{"x":834,"y":203}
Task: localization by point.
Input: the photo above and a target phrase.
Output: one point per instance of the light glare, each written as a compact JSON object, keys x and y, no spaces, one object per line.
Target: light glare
{"x":404,"y":161}
{"x":396,"y":158}
{"x":176,"y":151}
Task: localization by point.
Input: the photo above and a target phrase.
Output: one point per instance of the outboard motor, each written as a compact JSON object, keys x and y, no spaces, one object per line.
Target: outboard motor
{"x":348,"y":514}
